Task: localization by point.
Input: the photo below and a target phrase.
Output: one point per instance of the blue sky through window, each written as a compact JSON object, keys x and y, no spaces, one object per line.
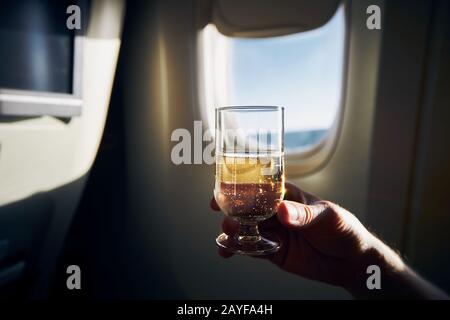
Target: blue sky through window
{"x":302,"y":72}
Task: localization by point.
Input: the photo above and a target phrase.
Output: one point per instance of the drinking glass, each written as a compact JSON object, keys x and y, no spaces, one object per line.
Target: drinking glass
{"x":249,"y":181}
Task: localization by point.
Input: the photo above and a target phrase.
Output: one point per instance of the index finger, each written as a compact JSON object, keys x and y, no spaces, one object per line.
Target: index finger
{"x":214,"y":204}
{"x":294,"y":193}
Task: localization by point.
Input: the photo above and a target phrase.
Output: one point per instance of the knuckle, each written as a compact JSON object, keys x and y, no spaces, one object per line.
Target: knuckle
{"x":332,"y":211}
{"x":327,"y":206}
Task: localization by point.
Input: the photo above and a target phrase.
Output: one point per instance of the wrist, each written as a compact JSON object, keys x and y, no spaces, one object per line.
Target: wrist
{"x":388,"y":264}
{"x":397,"y":280}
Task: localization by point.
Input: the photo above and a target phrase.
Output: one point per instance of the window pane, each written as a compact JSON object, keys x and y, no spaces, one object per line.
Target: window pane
{"x":302,"y":72}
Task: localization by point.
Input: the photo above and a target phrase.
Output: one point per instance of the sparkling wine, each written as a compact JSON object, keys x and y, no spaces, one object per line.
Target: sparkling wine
{"x":249,"y":187}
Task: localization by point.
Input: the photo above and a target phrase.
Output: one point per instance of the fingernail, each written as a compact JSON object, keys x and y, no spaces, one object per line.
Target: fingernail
{"x":293,"y":211}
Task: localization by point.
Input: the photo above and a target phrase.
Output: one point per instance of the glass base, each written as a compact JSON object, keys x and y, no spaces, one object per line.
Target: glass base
{"x":262,"y":246}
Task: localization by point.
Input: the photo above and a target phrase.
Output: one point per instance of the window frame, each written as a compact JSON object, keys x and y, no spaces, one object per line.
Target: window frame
{"x":309,"y":159}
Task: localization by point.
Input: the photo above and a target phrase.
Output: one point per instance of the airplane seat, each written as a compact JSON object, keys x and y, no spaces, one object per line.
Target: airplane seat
{"x":52,"y":114}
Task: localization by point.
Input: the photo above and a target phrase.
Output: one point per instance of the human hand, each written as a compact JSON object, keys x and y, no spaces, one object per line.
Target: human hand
{"x":321,"y":241}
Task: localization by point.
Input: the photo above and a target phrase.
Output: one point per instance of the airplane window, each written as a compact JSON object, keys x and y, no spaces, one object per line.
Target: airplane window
{"x":302,"y":72}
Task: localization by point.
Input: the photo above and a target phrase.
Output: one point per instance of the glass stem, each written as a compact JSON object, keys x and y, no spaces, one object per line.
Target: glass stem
{"x":249,"y":232}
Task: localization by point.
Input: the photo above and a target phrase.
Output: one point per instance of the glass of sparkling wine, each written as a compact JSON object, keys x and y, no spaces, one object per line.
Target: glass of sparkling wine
{"x":249,"y":183}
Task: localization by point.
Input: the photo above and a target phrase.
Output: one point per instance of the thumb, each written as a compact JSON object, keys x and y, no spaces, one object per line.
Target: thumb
{"x":295,"y":215}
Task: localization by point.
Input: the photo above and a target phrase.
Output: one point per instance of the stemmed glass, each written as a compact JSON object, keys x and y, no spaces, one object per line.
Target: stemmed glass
{"x":249,"y":182}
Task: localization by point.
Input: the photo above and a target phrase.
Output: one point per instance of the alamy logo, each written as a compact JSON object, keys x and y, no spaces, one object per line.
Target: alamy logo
{"x":374,"y":280}
{"x":74,"y":280}
{"x":182,"y":151}
{"x":190,"y":149}
{"x":74,"y":20}
{"x":374,"y":20}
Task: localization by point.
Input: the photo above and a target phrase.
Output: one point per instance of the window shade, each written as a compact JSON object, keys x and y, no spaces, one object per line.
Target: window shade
{"x":266,"y":18}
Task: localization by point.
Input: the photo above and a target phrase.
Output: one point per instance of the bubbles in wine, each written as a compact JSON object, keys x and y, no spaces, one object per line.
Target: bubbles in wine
{"x":249,"y":187}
